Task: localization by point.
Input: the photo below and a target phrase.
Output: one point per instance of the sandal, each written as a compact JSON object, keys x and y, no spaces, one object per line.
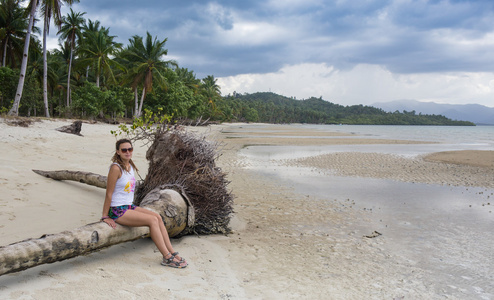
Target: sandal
{"x":169,"y":262}
{"x":182,"y":260}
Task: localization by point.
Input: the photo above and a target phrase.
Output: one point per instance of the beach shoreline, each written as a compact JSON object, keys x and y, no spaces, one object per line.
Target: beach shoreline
{"x":285,"y":244}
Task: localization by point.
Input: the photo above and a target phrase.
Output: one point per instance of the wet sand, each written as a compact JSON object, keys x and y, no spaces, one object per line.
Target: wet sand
{"x":475,"y":158}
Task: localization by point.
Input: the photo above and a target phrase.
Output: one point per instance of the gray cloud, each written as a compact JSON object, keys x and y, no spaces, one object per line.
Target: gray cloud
{"x":228,"y":38}
{"x":233,"y":37}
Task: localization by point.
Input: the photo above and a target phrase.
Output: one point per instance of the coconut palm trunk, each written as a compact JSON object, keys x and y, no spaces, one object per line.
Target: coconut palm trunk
{"x":68,"y":75}
{"x":139,"y":112}
{"x":136,"y":107}
{"x":4,"y":58}
{"x":97,"y":78}
{"x":14,"y":111}
{"x":45,"y":69}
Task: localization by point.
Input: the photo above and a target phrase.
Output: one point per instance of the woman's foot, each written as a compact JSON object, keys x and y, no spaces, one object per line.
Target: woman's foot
{"x":180,"y":259}
{"x":171,"y":261}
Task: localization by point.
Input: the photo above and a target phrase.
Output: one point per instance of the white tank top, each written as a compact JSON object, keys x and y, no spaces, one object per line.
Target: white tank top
{"x":124,"y":188}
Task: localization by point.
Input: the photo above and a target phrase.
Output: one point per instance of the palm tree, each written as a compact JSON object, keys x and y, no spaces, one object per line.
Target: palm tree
{"x":50,"y":8}
{"x":60,"y":59}
{"x":71,"y":31}
{"x":97,"y":51}
{"x":188,"y":78}
{"x":211,"y":90}
{"x":13,"y":25}
{"x":14,"y":111}
{"x":147,"y":65}
{"x":88,"y":29}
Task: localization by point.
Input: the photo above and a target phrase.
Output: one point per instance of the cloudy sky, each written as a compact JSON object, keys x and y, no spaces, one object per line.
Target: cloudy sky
{"x":347,"y":51}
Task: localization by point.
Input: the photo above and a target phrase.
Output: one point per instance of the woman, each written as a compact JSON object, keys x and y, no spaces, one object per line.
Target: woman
{"x":119,"y":208}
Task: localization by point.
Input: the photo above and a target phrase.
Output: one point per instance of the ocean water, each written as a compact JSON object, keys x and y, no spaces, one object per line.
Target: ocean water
{"x":445,"y":134}
{"x":446,"y":231}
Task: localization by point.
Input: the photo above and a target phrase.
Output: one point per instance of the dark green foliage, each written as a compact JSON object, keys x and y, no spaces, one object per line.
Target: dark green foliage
{"x":177,"y":100}
{"x":32,"y":105}
{"x":88,"y":100}
{"x":118,"y":100}
{"x":8,"y":83}
{"x":273,"y":108}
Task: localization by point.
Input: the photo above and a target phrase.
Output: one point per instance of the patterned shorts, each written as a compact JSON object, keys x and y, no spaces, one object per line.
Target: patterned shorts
{"x":118,"y":211}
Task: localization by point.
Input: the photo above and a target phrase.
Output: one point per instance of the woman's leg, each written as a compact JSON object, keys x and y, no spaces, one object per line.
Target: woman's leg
{"x":135,"y":218}
{"x":164,"y":232}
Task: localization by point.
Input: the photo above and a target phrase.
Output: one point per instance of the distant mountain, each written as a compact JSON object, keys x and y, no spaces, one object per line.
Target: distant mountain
{"x":475,"y":113}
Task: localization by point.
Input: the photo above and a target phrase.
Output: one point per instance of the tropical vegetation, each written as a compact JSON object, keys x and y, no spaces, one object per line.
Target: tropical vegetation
{"x":273,"y":108}
{"x":91,"y":75}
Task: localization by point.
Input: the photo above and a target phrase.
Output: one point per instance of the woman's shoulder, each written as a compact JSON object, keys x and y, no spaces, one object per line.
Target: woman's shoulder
{"x":115,"y":166}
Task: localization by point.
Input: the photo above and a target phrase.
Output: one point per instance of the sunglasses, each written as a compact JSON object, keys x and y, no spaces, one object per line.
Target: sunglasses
{"x":124,"y":150}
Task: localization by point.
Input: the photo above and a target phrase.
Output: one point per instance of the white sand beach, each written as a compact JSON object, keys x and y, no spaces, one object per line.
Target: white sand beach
{"x":286,"y":243}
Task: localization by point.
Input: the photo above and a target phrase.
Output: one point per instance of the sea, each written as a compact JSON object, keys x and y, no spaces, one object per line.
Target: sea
{"x":448,"y":231}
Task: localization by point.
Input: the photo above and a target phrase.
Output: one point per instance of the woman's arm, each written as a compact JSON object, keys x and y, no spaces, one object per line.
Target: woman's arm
{"x":111,"y":181}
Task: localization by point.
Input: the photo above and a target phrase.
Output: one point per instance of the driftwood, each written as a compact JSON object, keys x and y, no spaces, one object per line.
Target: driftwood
{"x":83,"y":177}
{"x":74,"y":128}
{"x":374,"y":234}
{"x":92,"y":237}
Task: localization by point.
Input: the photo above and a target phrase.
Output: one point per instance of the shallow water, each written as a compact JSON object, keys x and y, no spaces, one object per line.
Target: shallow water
{"x":444,"y":230}
{"x":473,"y":135}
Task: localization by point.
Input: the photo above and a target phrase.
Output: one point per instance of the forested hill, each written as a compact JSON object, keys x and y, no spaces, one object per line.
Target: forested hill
{"x":273,"y":108}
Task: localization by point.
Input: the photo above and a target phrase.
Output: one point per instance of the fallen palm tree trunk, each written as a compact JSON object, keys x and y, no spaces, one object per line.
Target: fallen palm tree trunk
{"x":83,"y":177}
{"x":95,"y":236}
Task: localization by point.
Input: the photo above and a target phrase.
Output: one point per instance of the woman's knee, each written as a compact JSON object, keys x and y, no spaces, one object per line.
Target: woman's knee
{"x":157,"y":216}
{"x":154,"y":220}
{"x":150,"y":212}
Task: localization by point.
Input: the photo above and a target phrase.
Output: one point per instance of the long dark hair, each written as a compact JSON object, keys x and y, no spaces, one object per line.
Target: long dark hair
{"x":117,"y":159}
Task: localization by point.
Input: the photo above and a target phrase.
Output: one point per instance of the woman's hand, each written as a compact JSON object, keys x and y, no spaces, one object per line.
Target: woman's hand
{"x":110,"y":222}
